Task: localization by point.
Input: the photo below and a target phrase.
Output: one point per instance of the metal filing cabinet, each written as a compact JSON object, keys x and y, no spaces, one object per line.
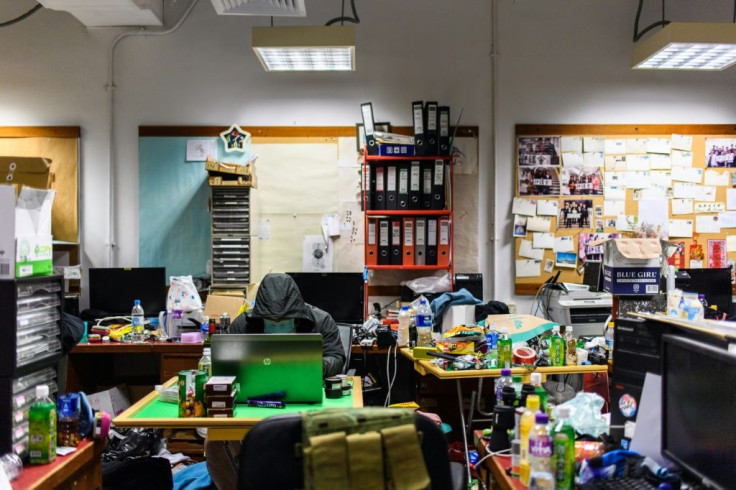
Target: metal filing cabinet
{"x":230,"y":238}
{"x":29,"y":353}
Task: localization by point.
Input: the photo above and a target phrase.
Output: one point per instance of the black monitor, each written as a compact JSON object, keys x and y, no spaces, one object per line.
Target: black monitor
{"x":338,"y":293}
{"x":113,"y":290}
{"x":698,"y":400}
{"x":592,"y":276}
{"x":715,"y":284}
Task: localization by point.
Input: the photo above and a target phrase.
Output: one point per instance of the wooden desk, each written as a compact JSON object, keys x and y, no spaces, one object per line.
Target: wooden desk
{"x":151,"y":412}
{"x":90,"y":367}
{"x":80,"y":470}
{"x":497,"y":466}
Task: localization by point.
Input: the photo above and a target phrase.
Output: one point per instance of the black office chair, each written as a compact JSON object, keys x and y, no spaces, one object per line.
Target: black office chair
{"x":346,"y":339}
{"x":271,"y":459}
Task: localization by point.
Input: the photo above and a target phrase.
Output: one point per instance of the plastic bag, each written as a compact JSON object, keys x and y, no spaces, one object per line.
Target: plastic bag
{"x":585,"y":414}
{"x":430,"y":284}
{"x":183,"y":289}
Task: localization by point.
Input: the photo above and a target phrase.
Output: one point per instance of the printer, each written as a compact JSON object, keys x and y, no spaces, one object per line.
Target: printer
{"x":586,"y":311}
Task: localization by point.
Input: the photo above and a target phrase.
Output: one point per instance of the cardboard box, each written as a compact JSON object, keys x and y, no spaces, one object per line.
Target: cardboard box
{"x":520,"y":327}
{"x":113,"y":401}
{"x":30,"y":171}
{"x":224,"y":174}
{"x":458,"y":315}
{"x":631,"y":265}
{"x":216,"y":305}
{"x":25,"y":232}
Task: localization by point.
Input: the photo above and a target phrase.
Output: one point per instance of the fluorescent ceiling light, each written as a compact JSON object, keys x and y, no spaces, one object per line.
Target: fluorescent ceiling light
{"x":311,"y":48}
{"x":687,"y":46}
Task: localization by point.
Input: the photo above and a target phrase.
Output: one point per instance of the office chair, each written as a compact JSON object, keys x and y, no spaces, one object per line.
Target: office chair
{"x":346,"y":338}
{"x":271,"y":457}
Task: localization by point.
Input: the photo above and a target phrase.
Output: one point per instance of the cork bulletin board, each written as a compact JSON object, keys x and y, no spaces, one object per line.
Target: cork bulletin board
{"x":577,"y":183}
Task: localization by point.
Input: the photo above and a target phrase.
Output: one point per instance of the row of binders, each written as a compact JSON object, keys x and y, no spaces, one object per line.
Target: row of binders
{"x":404,"y":241}
{"x":405,"y":185}
{"x":431,"y":123}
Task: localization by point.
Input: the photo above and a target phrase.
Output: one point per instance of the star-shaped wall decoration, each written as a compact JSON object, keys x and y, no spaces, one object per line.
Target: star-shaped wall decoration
{"x":235,"y":139}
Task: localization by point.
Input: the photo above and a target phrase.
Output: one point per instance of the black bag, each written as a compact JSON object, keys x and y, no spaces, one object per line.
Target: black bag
{"x":139,"y":473}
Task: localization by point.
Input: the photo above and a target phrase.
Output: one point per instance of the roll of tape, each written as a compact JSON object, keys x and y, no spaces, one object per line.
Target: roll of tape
{"x":102,"y":425}
{"x":524,"y":355}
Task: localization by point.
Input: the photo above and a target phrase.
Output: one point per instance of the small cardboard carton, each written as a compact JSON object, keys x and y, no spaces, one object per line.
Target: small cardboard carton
{"x":30,"y":171}
{"x":520,"y":327}
{"x":230,"y":174}
{"x":631,"y":265}
{"x":216,"y":305}
{"x":25,"y":232}
{"x":113,"y":401}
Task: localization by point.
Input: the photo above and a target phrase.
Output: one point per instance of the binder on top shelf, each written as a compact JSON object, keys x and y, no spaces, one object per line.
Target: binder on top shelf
{"x":396,"y":250}
{"x":408,"y":241}
{"x":384,"y":242}
{"x":391,"y":189}
{"x":403,"y":186}
{"x":420,"y":241}
{"x":444,"y":130}
{"x":443,"y":242}
{"x":379,"y":195}
{"x":438,"y":185}
{"x":415,"y":186}
{"x":431,"y":241}
{"x":427,"y":171}
{"x":431,"y":129}
{"x":417,"y":114}
{"x":371,"y":249}
{"x":366,"y":110}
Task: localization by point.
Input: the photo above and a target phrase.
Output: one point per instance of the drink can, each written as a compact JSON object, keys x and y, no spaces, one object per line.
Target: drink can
{"x":224,"y":322}
{"x":191,"y":393}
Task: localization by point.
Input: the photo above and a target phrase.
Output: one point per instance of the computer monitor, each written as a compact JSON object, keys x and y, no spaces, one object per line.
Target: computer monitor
{"x":113,"y":290}
{"x":338,"y":293}
{"x":698,"y":400}
{"x":592,"y":276}
{"x":715,"y":284}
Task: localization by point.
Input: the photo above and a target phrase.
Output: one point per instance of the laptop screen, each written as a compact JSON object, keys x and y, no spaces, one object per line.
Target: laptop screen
{"x":113,"y":290}
{"x":338,"y":293}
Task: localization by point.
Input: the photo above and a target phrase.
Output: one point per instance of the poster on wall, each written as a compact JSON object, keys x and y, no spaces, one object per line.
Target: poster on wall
{"x":575,"y":213}
{"x":539,"y":181}
{"x":539,"y":151}
{"x":588,"y":252}
{"x":678,"y":255}
{"x":720,"y":152}
{"x":585,"y":181}
{"x":717,"y":254}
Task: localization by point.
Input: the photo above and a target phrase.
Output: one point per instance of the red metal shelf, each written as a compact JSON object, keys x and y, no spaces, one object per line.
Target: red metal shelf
{"x":381,"y":158}
{"x":409,"y":267}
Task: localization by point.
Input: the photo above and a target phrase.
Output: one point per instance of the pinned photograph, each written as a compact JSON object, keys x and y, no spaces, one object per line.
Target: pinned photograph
{"x":586,"y":181}
{"x":598,"y":211}
{"x":599,"y":226}
{"x":575,"y":214}
{"x":566,"y":259}
{"x":539,"y":151}
{"x":611,"y":223}
{"x":548,"y":265}
{"x":720,"y":152}
{"x":540,"y":181}
{"x":519,"y":226}
{"x":586,"y":251}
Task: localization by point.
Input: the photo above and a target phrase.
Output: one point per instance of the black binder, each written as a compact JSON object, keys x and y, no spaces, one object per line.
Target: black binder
{"x":391,"y":187}
{"x":427,"y":171}
{"x":403,"y":186}
{"x":384,"y":242}
{"x":396,"y":243}
{"x":431,"y":241}
{"x":366,"y":110}
{"x":379,"y":195}
{"x":438,"y":185}
{"x":415,"y":185}
{"x":417,"y":114}
{"x":420,"y":241}
{"x":431,"y":120}
{"x":444,"y":130}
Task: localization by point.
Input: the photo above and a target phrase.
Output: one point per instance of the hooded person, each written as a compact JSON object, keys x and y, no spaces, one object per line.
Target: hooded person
{"x":280,"y":308}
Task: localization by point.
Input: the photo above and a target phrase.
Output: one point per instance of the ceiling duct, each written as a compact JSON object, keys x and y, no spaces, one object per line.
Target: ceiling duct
{"x":267,"y":8}
{"x":111,"y":13}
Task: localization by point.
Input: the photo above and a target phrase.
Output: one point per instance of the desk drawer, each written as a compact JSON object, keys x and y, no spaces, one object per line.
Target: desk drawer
{"x":171,"y":364}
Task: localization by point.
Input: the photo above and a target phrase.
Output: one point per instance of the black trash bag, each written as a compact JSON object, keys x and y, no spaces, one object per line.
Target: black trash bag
{"x":139,"y":474}
{"x":135,"y":443}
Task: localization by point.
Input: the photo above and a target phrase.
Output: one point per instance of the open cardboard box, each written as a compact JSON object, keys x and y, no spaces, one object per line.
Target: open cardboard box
{"x":631,"y":266}
{"x":216,"y":305}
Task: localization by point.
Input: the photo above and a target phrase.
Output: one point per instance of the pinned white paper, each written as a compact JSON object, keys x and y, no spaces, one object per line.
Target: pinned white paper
{"x":543,"y":240}
{"x":682,"y":142}
{"x":528,"y":268}
{"x":659,"y":161}
{"x":637,"y":162}
{"x":638,"y":180}
{"x":707,"y":224}
{"x":615,"y":193}
{"x":731,"y":243}
{"x":681,"y":228}
{"x":661,"y":178}
{"x":658,"y":145}
{"x":594,"y":159}
{"x":627,"y":223}
{"x":654,"y":212}
{"x":709,"y":207}
{"x":687,"y":174}
{"x":614,"y":208}
{"x":636,"y":145}
{"x":538,"y":224}
{"x":547,"y":207}
{"x":572,"y":144}
{"x":525,"y":207}
{"x":593,"y":144}
{"x":731,"y":199}
{"x":705,"y":194}
{"x":615,"y":147}
{"x":564,"y":244}
{"x":570,"y":159}
{"x":614,"y":179}
{"x":316,"y":257}
{"x":615,"y":163}
{"x":682,"y":206}
{"x":682,"y":191}
{"x":528,"y":251}
{"x":682,"y":158}
{"x":714,"y":177}
{"x":651,"y":193}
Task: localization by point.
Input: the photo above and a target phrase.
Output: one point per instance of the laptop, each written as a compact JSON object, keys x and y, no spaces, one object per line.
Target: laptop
{"x":270,"y":363}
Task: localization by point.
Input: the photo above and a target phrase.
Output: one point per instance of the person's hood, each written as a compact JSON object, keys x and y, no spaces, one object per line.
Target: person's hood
{"x":279,"y":297}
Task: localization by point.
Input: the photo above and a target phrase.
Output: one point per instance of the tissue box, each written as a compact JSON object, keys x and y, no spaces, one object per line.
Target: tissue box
{"x":458,"y":315}
{"x":25,"y":232}
{"x":631,"y":265}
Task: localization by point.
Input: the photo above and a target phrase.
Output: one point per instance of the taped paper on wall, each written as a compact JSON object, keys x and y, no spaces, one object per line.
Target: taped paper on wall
{"x":681,"y":228}
{"x":570,"y":159}
{"x":316,"y":257}
{"x":687,"y":174}
{"x":614,"y":208}
{"x":527,"y":251}
{"x":682,"y":142}
{"x":731,"y":199}
{"x":658,"y":145}
{"x":564,"y":244}
{"x":705,"y":194}
{"x":682,"y":158}
{"x":714,"y":177}
{"x":727,"y":220}
{"x":707,"y":224}
{"x":528,"y":268}
{"x":682,"y":206}
{"x":547,"y":208}
{"x":593,"y":144}
{"x":636,"y":145}
{"x":637,"y":162}
{"x":615,"y":163}
{"x":543,"y":240}
{"x":709,"y":207}
{"x":658,"y":161}
{"x":538,"y":224}
{"x":524,"y":207}
{"x":571,"y":144}
{"x":615,"y":147}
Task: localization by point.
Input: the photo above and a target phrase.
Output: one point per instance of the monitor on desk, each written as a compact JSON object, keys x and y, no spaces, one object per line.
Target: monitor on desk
{"x":715,"y":284}
{"x":698,"y":399}
{"x":113,"y":290}
{"x":338,"y":293}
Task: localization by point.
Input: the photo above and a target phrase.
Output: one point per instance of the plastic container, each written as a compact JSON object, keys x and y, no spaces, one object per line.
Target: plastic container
{"x":505,"y":355}
{"x":404,"y":322}
{"x":525,"y":426}
{"x":536,"y":379}
{"x":42,"y":427}
{"x":137,"y":321}
{"x":571,"y":348}
{"x":563,"y":453}
{"x":556,"y":348}
{"x":540,"y":454}
{"x":608,"y":335}
{"x":205,"y":363}
{"x":504,"y":380}
{"x":11,"y":465}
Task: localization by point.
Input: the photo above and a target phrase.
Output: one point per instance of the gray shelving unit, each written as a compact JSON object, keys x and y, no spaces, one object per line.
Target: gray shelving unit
{"x":230,"y":238}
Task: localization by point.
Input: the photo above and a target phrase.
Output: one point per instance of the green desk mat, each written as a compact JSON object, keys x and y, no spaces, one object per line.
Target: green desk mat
{"x":163,"y":410}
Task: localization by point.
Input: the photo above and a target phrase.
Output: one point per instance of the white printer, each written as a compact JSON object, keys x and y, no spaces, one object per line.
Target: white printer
{"x":586,"y":311}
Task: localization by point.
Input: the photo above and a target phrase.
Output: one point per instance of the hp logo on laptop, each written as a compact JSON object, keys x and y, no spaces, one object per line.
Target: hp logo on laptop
{"x":267,"y":361}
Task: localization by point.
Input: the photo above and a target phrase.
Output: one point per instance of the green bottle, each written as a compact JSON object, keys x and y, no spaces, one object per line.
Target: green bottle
{"x":536,"y":379}
{"x":504,"y":349}
{"x":42,"y":427}
{"x":563,"y":450}
{"x":556,"y":348}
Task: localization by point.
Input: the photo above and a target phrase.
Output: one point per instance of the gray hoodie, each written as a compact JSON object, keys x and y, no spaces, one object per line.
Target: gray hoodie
{"x":278,"y":297}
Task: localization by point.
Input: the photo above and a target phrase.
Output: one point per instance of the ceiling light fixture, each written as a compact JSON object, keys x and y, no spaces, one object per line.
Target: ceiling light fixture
{"x":310,"y":48}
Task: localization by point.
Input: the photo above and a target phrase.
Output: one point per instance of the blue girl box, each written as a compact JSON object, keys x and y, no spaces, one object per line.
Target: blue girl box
{"x":631,"y":266}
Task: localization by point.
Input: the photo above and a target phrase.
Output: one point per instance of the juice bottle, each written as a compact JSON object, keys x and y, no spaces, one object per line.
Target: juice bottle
{"x":571,"y":348}
{"x":67,"y":422}
{"x":504,"y":349}
{"x":563,"y":458}
{"x":540,"y":454}
{"x":536,"y":379}
{"x":42,"y":427}
{"x":525,"y":426}
{"x":556,"y":348}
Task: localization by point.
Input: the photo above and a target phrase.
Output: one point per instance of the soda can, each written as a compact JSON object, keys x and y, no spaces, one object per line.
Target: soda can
{"x":191,"y":393}
{"x":224,"y":322}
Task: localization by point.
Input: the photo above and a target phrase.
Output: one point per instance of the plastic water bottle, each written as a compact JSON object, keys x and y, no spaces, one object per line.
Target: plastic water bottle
{"x":556,"y":348}
{"x":563,"y":454}
{"x":536,"y":379}
{"x":42,"y":427}
{"x":540,"y":455}
{"x":504,"y":380}
{"x":404,"y":322}
{"x":137,"y":320}
{"x":504,"y":349}
{"x":205,"y":363}
{"x":571,"y":348}
{"x":175,"y":318}
{"x":608,"y":335}
{"x":11,"y":464}
{"x":424,"y":323}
